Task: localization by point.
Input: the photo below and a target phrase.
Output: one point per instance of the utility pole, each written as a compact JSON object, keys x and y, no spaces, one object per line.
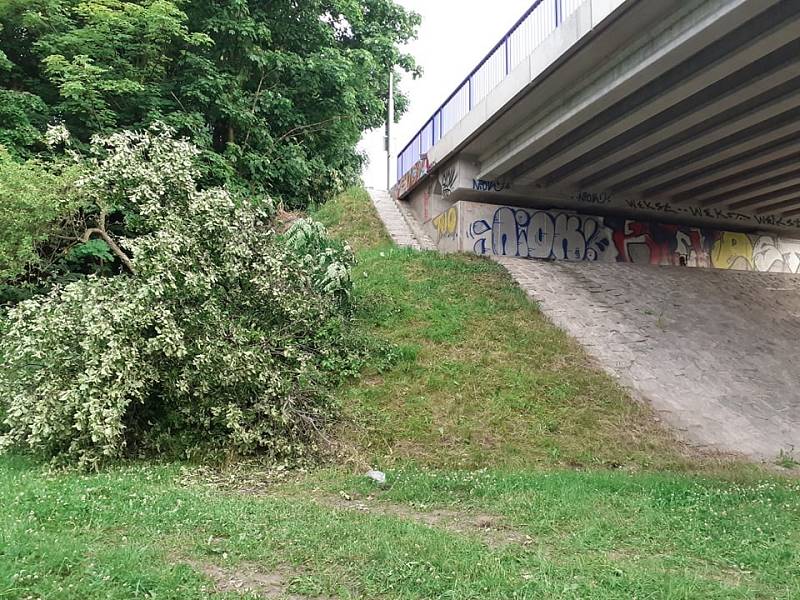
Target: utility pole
{"x":389,"y":123}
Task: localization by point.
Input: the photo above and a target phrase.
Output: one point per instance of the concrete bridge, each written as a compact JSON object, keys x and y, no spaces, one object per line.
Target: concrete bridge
{"x":654,"y":132}
{"x":657,"y":131}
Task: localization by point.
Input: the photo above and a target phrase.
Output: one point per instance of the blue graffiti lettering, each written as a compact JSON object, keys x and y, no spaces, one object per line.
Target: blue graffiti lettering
{"x":484,"y":185}
{"x":523,"y":234}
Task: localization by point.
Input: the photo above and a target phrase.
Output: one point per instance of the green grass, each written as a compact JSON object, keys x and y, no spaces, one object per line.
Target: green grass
{"x":491,"y":415}
{"x":488,"y":381}
{"x":130,"y":532}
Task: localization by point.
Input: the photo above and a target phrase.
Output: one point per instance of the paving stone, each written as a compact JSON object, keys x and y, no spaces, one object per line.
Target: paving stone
{"x":711,"y":350}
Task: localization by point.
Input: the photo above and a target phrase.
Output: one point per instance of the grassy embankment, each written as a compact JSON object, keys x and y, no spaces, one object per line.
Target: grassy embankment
{"x":516,"y":470}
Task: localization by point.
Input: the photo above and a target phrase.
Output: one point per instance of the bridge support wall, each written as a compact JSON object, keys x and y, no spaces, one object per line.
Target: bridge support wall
{"x":555,"y":234}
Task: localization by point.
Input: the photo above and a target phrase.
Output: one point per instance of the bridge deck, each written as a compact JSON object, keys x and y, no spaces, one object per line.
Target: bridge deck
{"x":676,"y":110}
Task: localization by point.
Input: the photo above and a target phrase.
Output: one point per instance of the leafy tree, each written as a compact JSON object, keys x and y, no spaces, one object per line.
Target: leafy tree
{"x":223,"y":332}
{"x":45,"y":229}
{"x":276,"y":94}
{"x":36,"y":216}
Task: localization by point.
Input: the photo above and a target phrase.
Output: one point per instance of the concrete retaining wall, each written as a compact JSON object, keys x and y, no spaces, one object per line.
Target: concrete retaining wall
{"x":488,"y":229}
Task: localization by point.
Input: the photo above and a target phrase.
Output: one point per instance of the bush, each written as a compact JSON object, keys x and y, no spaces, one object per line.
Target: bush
{"x":33,"y":203}
{"x":223,"y":333}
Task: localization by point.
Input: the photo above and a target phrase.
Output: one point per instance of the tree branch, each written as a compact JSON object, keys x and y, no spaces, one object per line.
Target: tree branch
{"x":253,"y":110}
{"x":310,"y":126}
{"x":124,"y":258}
{"x":183,"y":108}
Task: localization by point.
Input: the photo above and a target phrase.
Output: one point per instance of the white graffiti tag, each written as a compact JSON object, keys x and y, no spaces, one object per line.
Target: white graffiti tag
{"x":539,"y":234}
{"x":776,"y":255}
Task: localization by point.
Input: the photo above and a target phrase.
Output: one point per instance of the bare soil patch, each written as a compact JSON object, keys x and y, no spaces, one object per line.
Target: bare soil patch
{"x":250,"y":578}
{"x":490,"y":529}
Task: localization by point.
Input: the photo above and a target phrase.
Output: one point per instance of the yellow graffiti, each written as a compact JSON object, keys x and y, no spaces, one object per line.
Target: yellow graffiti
{"x":733,"y":251}
{"x":446,"y":224}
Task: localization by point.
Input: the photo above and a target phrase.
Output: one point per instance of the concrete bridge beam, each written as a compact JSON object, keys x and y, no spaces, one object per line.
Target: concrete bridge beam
{"x":680,"y":118}
{"x":624,"y":116}
{"x":705,"y":177}
{"x":765,"y":164}
{"x":673,"y":45}
{"x":754,"y":190}
{"x":708,"y":156}
{"x":628,"y":174}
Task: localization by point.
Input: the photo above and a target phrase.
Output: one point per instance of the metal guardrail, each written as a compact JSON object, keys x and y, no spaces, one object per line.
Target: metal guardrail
{"x":538,"y":22}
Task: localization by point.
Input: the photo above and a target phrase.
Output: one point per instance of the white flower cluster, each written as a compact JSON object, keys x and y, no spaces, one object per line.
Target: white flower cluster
{"x":57,"y":135}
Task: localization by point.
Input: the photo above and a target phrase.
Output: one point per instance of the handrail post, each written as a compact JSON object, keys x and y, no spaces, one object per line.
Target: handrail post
{"x":508,"y":59}
{"x":559,"y":12}
{"x":389,"y":126}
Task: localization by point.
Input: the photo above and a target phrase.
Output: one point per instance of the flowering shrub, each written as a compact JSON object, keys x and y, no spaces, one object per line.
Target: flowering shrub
{"x":222,"y":332}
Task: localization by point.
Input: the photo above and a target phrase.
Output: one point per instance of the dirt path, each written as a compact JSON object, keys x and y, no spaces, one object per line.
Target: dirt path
{"x":490,"y":529}
{"x":250,"y":578}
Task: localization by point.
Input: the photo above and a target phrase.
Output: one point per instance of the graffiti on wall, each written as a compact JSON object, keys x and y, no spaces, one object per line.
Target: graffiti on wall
{"x":446,"y":224}
{"x":601,"y":198}
{"x":490,"y":185}
{"x":658,"y":243}
{"x":447,"y":181}
{"x":541,"y":234}
{"x":412,"y":177}
{"x":563,"y":235}
{"x":776,"y":255}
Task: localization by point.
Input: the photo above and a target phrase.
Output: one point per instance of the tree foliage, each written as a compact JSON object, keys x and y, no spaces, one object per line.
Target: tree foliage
{"x":33,"y":202}
{"x":276,"y":94}
{"x":44,"y":224}
{"x":37,"y":226}
{"x":221,"y":332}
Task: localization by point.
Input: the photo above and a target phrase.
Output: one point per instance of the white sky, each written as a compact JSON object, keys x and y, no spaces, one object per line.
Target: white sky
{"x":454,"y":36}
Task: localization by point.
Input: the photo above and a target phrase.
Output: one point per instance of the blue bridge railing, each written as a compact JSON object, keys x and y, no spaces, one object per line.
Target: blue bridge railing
{"x":538,"y":22}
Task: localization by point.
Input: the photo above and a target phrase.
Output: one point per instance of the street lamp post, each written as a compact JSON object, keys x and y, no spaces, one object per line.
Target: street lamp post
{"x":389,"y":123}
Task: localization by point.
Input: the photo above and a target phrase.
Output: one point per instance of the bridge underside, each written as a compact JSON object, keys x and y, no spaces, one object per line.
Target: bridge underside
{"x":680,"y":112}
{"x":668,"y":133}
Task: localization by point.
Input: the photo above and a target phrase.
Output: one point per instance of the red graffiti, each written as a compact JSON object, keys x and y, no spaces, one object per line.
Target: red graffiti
{"x":660,"y":244}
{"x":412,"y":177}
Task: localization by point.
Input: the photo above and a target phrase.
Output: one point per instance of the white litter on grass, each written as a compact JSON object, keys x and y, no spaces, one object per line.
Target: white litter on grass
{"x":378,"y":476}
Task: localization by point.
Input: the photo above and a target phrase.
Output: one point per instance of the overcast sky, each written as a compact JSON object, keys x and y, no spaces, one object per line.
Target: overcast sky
{"x":454,"y":36}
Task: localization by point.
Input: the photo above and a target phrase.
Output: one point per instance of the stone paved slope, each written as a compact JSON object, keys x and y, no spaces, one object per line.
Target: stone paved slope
{"x":715,"y":352}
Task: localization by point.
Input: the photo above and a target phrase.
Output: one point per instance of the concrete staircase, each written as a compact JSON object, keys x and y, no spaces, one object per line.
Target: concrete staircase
{"x":399,"y":222}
